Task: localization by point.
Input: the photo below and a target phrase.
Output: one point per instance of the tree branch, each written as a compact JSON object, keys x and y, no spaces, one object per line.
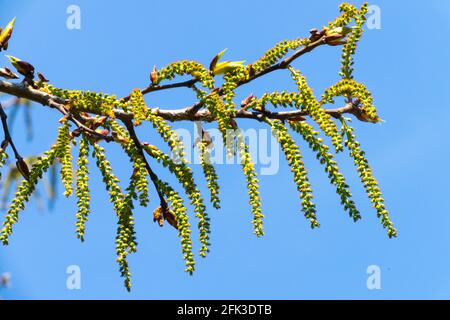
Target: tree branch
{"x":173,"y":115}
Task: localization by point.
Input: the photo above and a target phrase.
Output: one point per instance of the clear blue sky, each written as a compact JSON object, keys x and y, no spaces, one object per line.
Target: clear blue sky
{"x":405,"y":64}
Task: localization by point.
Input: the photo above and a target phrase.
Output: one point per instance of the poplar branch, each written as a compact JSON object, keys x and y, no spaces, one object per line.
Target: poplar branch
{"x":173,"y":115}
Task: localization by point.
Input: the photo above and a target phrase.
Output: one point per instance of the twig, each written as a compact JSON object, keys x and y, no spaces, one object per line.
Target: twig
{"x":153,"y":88}
{"x":7,"y":134}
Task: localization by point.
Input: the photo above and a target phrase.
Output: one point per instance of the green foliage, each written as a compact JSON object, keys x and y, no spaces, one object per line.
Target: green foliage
{"x":252,"y":185}
{"x":221,"y":114}
{"x":125,"y":239}
{"x":82,"y":190}
{"x":63,"y":147}
{"x":349,"y":48}
{"x":169,"y":135}
{"x":294,"y":159}
{"x":351,"y":88}
{"x":193,"y":68}
{"x":327,"y":160}
{"x":276,"y":53}
{"x":313,"y":108}
{"x":3,"y":158}
{"x":25,"y":190}
{"x":139,"y":170}
{"x":210,"y":173}
{"x":349,"y":11}
{"x":86,"y":101}
{"x":138,"y":106}
{"x":367,"y":178}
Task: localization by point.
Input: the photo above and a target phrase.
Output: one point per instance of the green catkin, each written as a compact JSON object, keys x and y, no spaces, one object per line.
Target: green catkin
{"x":221,"y":114}
{"x":351,"y":88}
{"x":283,"y":99}
{"x":138,"y":106}
{"x":186,"y":179}
{"x":274,"y":54}
{"x":193,"y":68}
{"x":248,"y":168}
{"x":349,"y":48}
{"x":82,"y":190}
{"x":294,"y":159}
{"x":349,"y":12}
{"x":231,"y":81}
{"x":25,"y":190}
{"x":365,"y":173}
{"x":210,"y":173}
{"x":314,"y":109}
{"x":184,"y":227}
{"x":3,"y":157}
{"x":325,"y":158}
{"x":64,"y":154}
{"x":170,"y":136}
{"x":139,"y":169}
{"x":125,"y":240}
{"x":87,"y":101}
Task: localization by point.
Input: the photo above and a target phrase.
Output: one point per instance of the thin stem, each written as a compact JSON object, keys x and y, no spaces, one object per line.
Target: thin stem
{"x":8,"y":138}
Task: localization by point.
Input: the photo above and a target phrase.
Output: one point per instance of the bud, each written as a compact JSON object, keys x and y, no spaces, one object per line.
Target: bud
{"x":75,"y":133}
{"x":154,"y":76}
{"x":247,"y":100}
{"x":23,"y":67}
{"x":227,"y":66}
{"x":103,"y":132}
{"x":315,"y":35}
{"x":214,"y":61}
{"x":251,"y":70}
{"x":170,"y":217}
{"x":23,"y":169}
{"x":119,"y":138}
{"x":101,"y":120}
{"x":362,"y":115}
{"x":4,"y":144}
{"x":8,"y":74}
{"x":148,"y":146}
{"x":5,"y":35}
{"x":158,"y":217}
{"x":63,"y":120}
{"x":334,"y":39}
{"x":42,"y":78}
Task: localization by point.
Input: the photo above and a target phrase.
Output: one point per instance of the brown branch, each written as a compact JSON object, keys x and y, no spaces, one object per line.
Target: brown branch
{"x":8,"y":138}
{"x":174,"y":115}
{"x":153,"y":88}
{"x":22,"y":90}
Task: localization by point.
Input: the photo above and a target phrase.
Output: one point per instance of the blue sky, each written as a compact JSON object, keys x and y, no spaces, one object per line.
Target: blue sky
{"x":404,"y":64}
